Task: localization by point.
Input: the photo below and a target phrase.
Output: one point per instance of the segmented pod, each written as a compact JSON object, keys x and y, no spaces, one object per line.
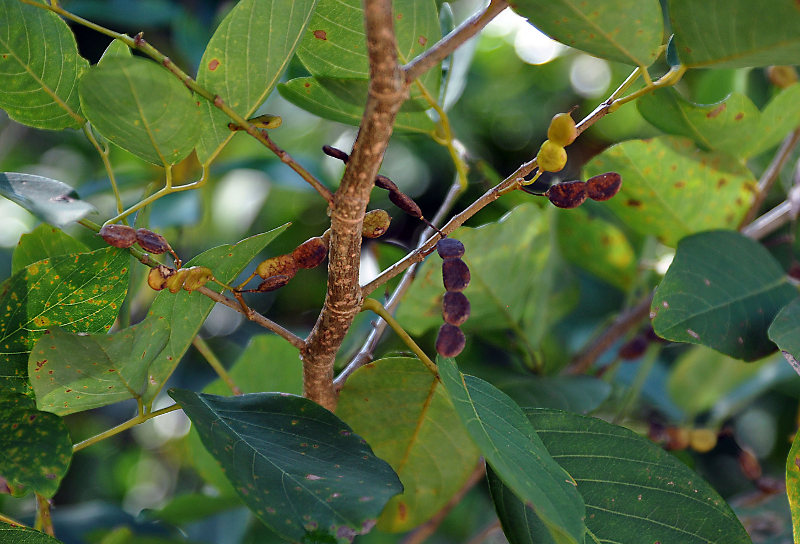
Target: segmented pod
{"x":158,"y":276}
{"x":272,"y":283}
{"x":603,"y":186}
{"x":151,"y":241}
{"x":281,"y":265}
{"x":567,"y":194}
{"x":197,"y":277}
{"x":455,"y":308}
{"x":449,"y":248}
{"x":376,"y":223}
{"x":455,"y":275}
{"x":450,"y":341}
{"x":551,"y":157}
{"x":562,"y":130}
{"x":121,"y":236}
{"x":335,"y":153}
{"x":405,"y":203}
{"x":311,"y":253}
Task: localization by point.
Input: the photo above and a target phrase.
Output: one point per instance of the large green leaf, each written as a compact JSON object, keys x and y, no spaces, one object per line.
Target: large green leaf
{"x":36,"y":446}
{"x":634,"y":491}
{"x":731,"y":34}
{"x":793,"y":484}
{"x":187,"y":311}
{"x":300,"y":469}
{"x":72,"y":373}
{"x":39,"y":67}
{"x":404,"y":413}
{"x":580,"y":394}
{"x":43,"y":242}
{"x":50,"y":200}
{"x":313,"y":96}
{"x":10,"y":534}
{"x":244,"y":60}
{"x":734,"y":125}
{"x":670,"y":189}
{"x":513,"y":450}
{"x":723,"y":291}
{"x":81,"y":293}
{"x":785,"y":329}
{"x":141,"y":107}
{"x":628,"y":31}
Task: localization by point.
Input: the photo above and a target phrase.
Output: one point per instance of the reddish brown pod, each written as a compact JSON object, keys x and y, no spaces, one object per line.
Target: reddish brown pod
{"x":335,"y":153}
{"x":455,"y":308}
{"x":450,"y":341}
{"x":151,"y":241}
{"x":567,"y":194}
{"x":450,"y":248}
{"x":385,"y":183}
{"x":283,"y":265}
{"x":121,"y":236}
{"x":311,"y":253}
{"x":273,"y":283}
{"x":405,"y":203}
{"x":603,"y":186}
{"x":455,"y":274}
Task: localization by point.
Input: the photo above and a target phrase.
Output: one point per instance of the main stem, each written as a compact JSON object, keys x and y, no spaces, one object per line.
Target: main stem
{"x":387,"y":92}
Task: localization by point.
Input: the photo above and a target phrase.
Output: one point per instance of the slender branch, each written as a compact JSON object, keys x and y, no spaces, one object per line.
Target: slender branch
{"x":104,"y":152}
{"x":123,"y":426}
{"x":44,"y":521}
{"x":214,"y":362}
{"x":442,"y":49}
{"x":374,"y":306}
{"x":771,"y":174}
{"x":11,"y":521}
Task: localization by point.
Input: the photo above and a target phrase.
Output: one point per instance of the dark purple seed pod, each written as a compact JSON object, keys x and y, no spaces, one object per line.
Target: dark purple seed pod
{"x":272,"y":283}
{"x":404,"y":202}
{"x":450,"y":341}
{"x":633,"y":348}
{"x":603,"y":186}
{"x":151,"y":241}
{"x":385,"y":183}
{"x":455,"y":274}
{"x":335,"y":153}
{"x":310,"y":253}
{"x":450,"y":248}
{"x":455,"y":308}
{"x":567,"y":194}
{"x":118,"y":235}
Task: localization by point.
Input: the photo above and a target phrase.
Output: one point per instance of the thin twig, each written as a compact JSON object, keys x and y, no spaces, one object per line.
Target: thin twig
{"x":214,"y":362}
{"x":771,"y":174}
{"x":11,"y":521}
{"x":141,"y":418}
{"x":44,"y":521}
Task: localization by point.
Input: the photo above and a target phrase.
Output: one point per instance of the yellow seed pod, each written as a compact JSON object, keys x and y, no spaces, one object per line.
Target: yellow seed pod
{"x":175,"y":281}
{"x":262,"y":121}
{"x":562,"y":130}
{"x":702,"y":440}
{"x":551,"y":157}
{"x":782,"y":76}
{"x":376,"y":222}
{"x":158,"y":276}
{"x":197,"y":277}
{"x":282,"y":265}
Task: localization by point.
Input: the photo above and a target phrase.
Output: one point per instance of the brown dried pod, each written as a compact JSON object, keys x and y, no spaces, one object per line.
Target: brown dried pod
{"x":385,"y":183}
{"x":603,"y":186}
{"x":118,"y":235}
{"x":634,"y":348}
{"x":284,"y":265}
{"x":748,"y":463}
{"x":197,"y":277}
{"x":310,"y":253}
{"x":335,"y":153}
{"x":151,"y":241}
{"x":175,"y":282}
{"x":450,"y":341}
{"x":376,"y":223}
{"x":455,"y":308}
{"x":405,"y":203}
{"x":455,"y":274}
{"x":272,"y":283}
{"x":158,"y":276}
{"x":567,"y":194}
{"x":677,"y":438}
{"x":449,"y":248}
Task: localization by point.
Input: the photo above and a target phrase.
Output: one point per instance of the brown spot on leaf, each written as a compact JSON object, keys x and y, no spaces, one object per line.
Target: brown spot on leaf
{"x":633,"y":203}
{"x":307,"y":85}
{"x":716,"y":111}
{"x":739,"y":116}
{"x":402,"y":511}
{"x":213,"y":64}
{"x":320,"y":35}
{"x":422,"y":40}
{"x":721,"y":182}
{"x":679,"y":184}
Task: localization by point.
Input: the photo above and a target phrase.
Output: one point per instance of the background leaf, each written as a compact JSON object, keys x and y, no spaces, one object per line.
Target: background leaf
{"x":40,"y":67}
{"x":731,"y":34}
{"x":43,"y":242}
{"x":581,"y":394}
{"x":81,"y":293}
{"x":402,"y":410}
{"x":785,"y":329}
{"x":723,"y":291}
{"x":23,"y":535}
{"x":512,"y":448}
{"x":246,"y":43}
{"x":297,"y":466}
{"x":793,"y":484}
{"x":670,"y":189}
{"x":602,"y":29}
{"x":141,"y":107}
{"x":72,"y":373}
{"x":50,"y":200}
{"x":36,"y":445}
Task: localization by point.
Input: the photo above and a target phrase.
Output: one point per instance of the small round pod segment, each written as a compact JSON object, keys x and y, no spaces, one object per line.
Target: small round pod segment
{"x":376,"y":223}
{"x":121,"y":236}
{"x":280,"y":265}
{"x":272,"y":283}
{"x":455,"y":274}
{"x":175,"y":282}
{"x":151,"y":241}
{"x":450,"y":341}
{"x":450,"y":248}
{"x":562,"y":129}
{"x":567,"y":194}
{"x":310,"y":253}
{"x":603,"y":186}
{"x":158,"y":276}
{"x":551,"y":157}
{"x":405,"y":203}
{"x":197,"y":277}
{"x":455,"y":308}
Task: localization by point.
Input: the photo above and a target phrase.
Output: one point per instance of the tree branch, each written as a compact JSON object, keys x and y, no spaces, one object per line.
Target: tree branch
{"x":387,"y":92}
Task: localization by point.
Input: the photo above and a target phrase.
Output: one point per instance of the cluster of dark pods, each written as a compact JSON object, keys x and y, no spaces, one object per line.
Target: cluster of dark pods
{"x":123,"y":236}
{"x":455,"y":306}
{"x":571,"y":194}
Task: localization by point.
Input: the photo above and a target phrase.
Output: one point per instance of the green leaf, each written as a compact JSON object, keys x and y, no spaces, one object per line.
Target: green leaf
{"x":512,"y":448}
{"x":404,"y":413}
{"x":785,"y":329}
{"x":81,"y":293}
{"x":298,"y":467}
{"x":670,"y":189}
{"x":72,"y":373}
{"x":734,"y":125}
{"x":603,"y":29}
{"x":36,"y":446}
{"x":634,"y":491}
{"x":43,"y":242}
{"x":335,"y":45}
{"x":142,"y":108}
{"x":50,"y":200}
{"x":731,"y":34}
{"x":191,"y":507}
{"x":244,"y":60}
{"x":39,"y":66}
{"x":311,"y":95}
{"x":187,"y":311}
{"x":597,"y":246}
{"x":116,"y":49}
{"x":723,"y":291}
{"x":793,"y":484}
{"x":580,"y":394}
{"x":10,"y":534}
